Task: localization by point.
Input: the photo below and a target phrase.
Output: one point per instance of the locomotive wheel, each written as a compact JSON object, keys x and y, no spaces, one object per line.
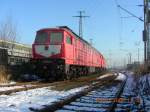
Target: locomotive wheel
{"x":63,"y":76}
{"x":75,"y":74}
{"x":68,"y":76}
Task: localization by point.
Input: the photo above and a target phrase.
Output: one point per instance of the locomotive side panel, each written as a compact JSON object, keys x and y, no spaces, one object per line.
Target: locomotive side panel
{"x":81,"y":53}
{"x":68,"y":48}
{"x":75,"y":51}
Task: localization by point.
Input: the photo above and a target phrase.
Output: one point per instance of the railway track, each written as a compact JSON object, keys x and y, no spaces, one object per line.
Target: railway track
{"x":26,"y":86}
{"x":18,"y":87}
{"x":91,"y":99}
{"x":147,"y":106}
{"x":145,"y":93}
{"x":148,"y":84}
{"x":19,"y":84}
{"x":103,"y":99}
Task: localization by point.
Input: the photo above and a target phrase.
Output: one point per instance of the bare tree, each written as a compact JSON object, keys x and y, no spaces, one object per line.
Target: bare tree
{"x":8,"y":32}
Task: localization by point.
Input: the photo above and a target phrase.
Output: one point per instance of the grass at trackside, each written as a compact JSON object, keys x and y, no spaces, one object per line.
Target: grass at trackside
{"x":4,"y":76}
{"x":94,"y":75}
{"x":84,"y":80}
{"x":69,"y":85}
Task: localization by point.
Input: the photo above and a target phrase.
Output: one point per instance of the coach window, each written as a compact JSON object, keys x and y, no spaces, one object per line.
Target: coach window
{"x":68,"y":40}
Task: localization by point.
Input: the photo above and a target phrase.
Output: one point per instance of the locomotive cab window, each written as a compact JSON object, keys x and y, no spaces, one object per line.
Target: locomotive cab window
{"x":68,"y":40}
{"x":56,"y":37}
{"x":41,"y":37}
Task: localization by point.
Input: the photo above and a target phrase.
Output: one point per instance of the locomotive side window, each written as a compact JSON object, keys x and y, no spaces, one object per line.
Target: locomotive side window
{"x":68,"y":40}
{"x":56,"y":37}
{"x":41,"y":37}
{"x":75,"y":42}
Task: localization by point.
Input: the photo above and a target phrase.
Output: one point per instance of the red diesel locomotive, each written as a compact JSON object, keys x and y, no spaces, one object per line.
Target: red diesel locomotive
{"x":60,"y":53}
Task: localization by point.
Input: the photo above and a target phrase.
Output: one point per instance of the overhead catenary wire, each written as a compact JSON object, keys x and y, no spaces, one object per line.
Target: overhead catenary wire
{"x":120,"y":25}
{"x":130,"y":13}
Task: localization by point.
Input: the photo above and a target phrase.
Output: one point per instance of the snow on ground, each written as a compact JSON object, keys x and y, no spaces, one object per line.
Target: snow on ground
{"x":130,"y":86}
{"x":103,"y":76}
{"x":137,"y":87}
{"x":14,"y":87}
{"x":10,"y":88}
{"x":149,"y":78}
{"x":144,"y":84}
{"x":36,"y":98}
{"x":10,"y":83}
{"x":121,"y":77}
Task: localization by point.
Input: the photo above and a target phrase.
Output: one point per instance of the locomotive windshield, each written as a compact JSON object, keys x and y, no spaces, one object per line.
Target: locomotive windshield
{"x":56,"y":37}
{"x":41,"y":37}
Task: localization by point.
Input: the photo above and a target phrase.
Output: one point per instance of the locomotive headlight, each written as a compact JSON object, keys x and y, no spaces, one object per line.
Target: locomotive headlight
{"x":34,"y":66}
{"x":52,"y":53}
{"x":45,"y":67}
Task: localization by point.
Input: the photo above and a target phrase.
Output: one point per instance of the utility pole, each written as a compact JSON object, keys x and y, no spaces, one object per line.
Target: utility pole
{"x":138,"y":55}
{"x":124,"y":62}
{"x":137,"y":44}
{"x":110,"y":61}
{"x":145,"y":31}
{"x":130,"y":59}
{"x":91,"y":42}
{"x":81,"y":16}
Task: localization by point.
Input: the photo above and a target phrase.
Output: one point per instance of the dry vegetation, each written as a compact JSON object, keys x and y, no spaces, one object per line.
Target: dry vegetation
{"x":70,"y":84}
{"x":4,"y":76}
{"x":8,"y":32}
{"x":141,"y":70}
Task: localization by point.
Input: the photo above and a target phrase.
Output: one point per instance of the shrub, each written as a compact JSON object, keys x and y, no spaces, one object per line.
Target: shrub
{"x":141,"y":70}
{"x":4,"y":75}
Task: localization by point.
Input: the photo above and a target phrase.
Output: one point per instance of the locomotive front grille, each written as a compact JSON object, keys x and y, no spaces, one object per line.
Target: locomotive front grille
{"x":51,"y":50}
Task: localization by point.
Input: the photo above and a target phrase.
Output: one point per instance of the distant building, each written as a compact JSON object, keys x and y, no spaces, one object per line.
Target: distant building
{"x":16,"y":52}
{"x":134,"y":65}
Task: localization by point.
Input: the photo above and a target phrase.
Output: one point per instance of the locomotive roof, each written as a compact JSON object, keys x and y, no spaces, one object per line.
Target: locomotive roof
{"x":66,"y":27}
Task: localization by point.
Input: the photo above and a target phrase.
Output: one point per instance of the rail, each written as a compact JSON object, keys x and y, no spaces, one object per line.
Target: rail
{"x":118,"y":94}
{"x":94,"y":86}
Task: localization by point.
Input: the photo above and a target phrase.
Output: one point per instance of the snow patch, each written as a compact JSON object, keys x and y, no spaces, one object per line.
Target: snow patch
{"x":14,"y":87}
{"x":103,"y":76}
{"x":35,"y":98}
{"x":121,"y":77}
{"x":10,"y":83}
